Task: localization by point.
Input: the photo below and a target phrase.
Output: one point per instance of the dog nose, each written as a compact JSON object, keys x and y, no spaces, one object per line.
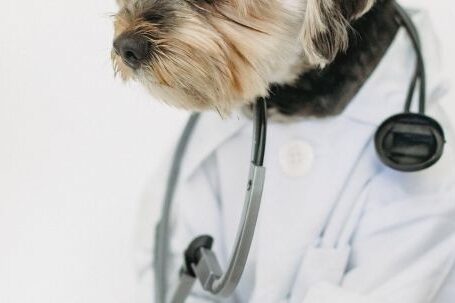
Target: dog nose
{"x":133,"y":49}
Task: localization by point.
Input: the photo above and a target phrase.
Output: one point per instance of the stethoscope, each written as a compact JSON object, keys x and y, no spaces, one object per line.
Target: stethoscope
{"x":406,"y":142}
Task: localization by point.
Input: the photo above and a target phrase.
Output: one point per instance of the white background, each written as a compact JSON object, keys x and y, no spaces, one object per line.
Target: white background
{"x":76,"y":148}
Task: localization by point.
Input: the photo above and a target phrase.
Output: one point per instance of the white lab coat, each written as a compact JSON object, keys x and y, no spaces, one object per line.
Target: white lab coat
{"x":335,"y":224}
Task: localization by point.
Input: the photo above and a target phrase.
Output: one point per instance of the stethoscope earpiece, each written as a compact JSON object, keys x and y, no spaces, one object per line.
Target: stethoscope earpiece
{"x":409,"y":142}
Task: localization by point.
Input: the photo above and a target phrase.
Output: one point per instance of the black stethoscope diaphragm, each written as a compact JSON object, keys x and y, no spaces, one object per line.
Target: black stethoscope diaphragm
{"x":409,"y":142}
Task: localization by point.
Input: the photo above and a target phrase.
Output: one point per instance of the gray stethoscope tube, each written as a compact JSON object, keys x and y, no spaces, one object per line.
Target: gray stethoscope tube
{"x":162,"y":229}
{"x":200,"y":261}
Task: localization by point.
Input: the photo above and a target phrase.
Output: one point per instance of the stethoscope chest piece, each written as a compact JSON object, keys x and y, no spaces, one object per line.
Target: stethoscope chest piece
{"x":409,"y":142}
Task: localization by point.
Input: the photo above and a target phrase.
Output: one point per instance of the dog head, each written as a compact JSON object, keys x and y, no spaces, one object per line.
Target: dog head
{"x":221,"y":54}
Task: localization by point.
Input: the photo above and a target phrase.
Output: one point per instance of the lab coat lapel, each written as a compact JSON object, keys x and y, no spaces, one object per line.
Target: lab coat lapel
{"x":294,"y":215}
{"x":210,"y":132}
{"x":327,"y":259}
{"x":385,"y":91}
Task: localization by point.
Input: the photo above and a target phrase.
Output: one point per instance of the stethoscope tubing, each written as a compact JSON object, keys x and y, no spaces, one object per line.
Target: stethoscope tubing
{"x":162,"y":229}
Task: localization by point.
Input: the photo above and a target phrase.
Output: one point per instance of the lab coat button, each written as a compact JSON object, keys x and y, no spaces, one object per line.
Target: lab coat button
{"x":296,"y":158}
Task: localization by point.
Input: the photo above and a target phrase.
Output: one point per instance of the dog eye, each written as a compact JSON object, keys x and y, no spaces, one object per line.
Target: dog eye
{"x":153,"y":17}
{"x":204,"y":1}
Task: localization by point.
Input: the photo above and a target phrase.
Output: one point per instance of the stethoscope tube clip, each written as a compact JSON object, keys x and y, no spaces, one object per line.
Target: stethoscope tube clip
{"x":208,"y":269}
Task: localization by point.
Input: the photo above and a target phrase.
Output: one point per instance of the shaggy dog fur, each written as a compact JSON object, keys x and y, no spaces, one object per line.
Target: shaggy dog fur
{"x":224,"y":54}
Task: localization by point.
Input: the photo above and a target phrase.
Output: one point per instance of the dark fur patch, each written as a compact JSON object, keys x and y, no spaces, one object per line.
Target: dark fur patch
{"x":161,"y":13}
{"x":328,"y":91}
{"x":351,"y":8}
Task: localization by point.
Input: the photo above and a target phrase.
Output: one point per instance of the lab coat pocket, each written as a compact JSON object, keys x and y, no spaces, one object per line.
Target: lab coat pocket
{"x":319,"y":264}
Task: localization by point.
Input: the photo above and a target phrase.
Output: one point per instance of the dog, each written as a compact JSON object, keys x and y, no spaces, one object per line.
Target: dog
{"x":336,"y":225}
{"x":225,"y":54}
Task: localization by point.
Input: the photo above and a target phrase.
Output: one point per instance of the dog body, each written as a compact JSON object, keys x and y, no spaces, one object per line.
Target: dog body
{"x":335,"y":225}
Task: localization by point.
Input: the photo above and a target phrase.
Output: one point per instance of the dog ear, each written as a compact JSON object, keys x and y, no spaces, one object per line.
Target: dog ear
{"x":325,"y":27}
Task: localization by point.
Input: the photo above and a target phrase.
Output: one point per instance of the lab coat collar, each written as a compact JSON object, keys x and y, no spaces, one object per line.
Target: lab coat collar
{"x":383,"y":94}
{"x":210,"y":133}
